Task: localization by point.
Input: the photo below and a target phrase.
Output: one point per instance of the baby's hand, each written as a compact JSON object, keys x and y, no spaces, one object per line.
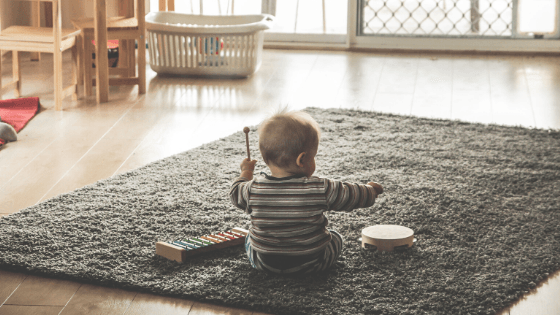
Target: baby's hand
{"x":377,"y":187}
{"x":247,"y":165}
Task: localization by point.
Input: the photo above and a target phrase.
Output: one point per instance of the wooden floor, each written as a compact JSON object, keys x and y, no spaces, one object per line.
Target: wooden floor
{"x":58,"y":152}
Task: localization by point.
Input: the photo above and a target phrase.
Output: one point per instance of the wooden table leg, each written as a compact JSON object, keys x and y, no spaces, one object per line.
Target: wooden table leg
{"x":141,"y":51}
{"x":142,"y":66}
{"x":102,"y":64}
{"x":127,"y":48}
{"x":57,"y":54}
{"x":75,"y":69}
{"x":16,"y":73}
{"x":87,"y":62}
{"x":36,"y":11}
{"x":1,"y":90}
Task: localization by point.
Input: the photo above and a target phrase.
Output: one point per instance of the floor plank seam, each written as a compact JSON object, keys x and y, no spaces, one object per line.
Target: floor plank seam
{"x":4,"y":303}
{"x":530,"y":95}
{"x":372,"y":106}
{"x":130,"y":304}
{"x":33,"y":159}
{"x":70,"y":299}
{"x":414,"y":88}
{"x":145,"y":137}
{"x":91,"y":148}
{"x":265,"y":86}
{"x":117,"y":171}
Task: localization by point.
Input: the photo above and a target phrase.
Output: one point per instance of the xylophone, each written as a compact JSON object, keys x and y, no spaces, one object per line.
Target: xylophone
{"x":179,"y":250}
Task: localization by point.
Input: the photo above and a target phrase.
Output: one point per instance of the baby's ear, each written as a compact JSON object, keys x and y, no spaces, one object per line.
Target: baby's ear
{"x":299,"y":160}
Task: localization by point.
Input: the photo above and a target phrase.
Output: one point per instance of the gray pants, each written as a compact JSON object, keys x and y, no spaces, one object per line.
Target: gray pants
{"x":320,"y":262}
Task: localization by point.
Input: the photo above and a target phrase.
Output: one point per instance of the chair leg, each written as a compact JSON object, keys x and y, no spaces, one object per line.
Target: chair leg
{"x":131,"y":57}
{"x":87,"y":64}
{"x":57,"y":80}
{"x":16,"y":73}
{"x":36,"y":9}
{"x":1,"y":86}
{"x":125,"y":49}
{"x":142,"y":66}
{"x":123,"y":55}
{"x":1,"y":93}
{"x":75,"y":71}
{"x":80,"y":58}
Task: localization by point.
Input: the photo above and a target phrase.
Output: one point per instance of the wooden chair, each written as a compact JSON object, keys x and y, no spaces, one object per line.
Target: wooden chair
{"x":37,"y":39}
{"x":128,"y":28}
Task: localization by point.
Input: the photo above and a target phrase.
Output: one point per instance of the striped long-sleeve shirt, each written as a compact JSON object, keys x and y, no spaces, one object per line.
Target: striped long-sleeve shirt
{"x":287,"y":213}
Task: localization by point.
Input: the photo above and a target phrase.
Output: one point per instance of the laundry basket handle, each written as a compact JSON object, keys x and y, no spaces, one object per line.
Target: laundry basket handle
{"x":208,"y":24}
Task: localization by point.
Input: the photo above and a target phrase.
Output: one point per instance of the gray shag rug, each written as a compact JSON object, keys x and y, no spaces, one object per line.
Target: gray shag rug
{"x":483,"y":202}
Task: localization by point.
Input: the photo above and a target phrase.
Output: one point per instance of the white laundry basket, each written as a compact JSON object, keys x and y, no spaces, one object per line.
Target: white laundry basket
{"x":206,"y":45}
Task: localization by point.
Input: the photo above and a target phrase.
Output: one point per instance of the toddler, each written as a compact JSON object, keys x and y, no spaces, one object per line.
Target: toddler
{"x":288,"y":233}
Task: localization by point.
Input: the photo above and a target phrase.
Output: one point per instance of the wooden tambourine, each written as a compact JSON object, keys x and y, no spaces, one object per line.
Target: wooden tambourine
{"x":387,"y":237}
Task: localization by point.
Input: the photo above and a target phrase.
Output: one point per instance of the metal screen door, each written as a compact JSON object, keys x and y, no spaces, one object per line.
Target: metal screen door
{"x":454,"y":18}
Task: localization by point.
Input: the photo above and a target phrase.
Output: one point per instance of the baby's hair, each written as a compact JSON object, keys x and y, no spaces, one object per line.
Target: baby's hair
{"x":286,"y":134}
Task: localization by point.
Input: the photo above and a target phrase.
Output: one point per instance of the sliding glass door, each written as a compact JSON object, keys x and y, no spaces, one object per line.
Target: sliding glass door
{"x":493,"y":25}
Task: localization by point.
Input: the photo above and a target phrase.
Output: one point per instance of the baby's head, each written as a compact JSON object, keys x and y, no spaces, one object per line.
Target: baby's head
{"x":289,"y":141}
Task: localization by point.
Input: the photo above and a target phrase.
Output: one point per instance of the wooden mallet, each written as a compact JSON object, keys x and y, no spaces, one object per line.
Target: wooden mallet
{"x":246,"y":131}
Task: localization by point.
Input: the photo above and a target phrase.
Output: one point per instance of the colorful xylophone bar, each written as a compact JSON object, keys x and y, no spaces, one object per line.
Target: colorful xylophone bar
{"x":179,"y":250}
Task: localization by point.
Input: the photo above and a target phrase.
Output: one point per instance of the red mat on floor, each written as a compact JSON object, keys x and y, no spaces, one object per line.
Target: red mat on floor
{"x":18,"y":112}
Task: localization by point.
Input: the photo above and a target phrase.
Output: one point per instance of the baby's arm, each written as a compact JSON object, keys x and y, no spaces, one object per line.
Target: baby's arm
{"x":343,"y":196}
{"x":239,"y":192}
